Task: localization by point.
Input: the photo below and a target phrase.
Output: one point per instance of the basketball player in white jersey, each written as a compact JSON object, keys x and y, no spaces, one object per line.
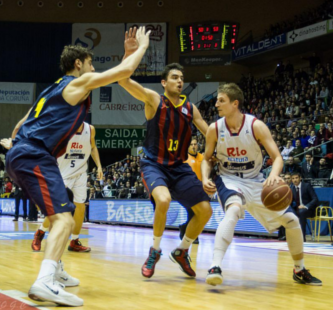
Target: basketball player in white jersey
{"x":73,"y":168}
{"x":237,"y":139}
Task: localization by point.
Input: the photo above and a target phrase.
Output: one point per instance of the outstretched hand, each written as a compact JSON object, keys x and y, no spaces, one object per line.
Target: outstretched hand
{"x":130,"y":44}
{"x":272,"y":179}
{"x":142,"y":37}
{"x":6,"y":143}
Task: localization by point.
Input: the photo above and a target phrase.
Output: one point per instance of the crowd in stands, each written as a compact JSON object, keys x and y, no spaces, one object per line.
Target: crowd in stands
{"x":308,"y":17}
{"x":120,"y":180}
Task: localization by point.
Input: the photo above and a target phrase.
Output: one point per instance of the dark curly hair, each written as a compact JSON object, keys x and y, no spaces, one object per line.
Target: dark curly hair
{"x":70,"y":54}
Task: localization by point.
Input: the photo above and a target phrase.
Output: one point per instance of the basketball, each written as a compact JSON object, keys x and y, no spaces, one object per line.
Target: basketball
{"x":277,"y":197}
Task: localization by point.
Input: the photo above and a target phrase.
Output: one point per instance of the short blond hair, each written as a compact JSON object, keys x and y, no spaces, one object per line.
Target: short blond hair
{"x":234,"y":92}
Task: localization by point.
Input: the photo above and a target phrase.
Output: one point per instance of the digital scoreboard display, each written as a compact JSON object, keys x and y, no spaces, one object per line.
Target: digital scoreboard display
{"x":207,"y":36}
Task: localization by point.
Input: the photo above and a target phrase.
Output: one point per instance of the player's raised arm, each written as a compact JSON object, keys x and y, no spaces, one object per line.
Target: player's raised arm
{"x":80,"y":87}
{"x":264,"y":137}
{"x":147,"y":96}
{"x":199,"y":121}
{"x":206,"y":165}
{"x":95,"y":153}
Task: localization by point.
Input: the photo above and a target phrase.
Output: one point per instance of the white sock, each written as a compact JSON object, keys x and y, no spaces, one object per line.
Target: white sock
{"x":186,"y":243}
{"x":224,"y":235}
{"x":74,"y":237}
{"x":47,"y":268}
{"x":299,"y":265}
{"x":43,"y":228}
{"x":157,"y":242}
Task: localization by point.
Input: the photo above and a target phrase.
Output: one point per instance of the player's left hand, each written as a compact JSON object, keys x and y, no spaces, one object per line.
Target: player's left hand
{"x":99,"y":174}
{"x":272,"y":179}
{"x":6,"y":143}
{"x":130,"y":44}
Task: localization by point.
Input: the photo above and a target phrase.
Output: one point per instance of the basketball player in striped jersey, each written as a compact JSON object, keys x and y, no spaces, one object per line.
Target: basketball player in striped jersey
{"x":238,"y":138}
{"x":165,"y":175}
{"x":73,"y":168}
{"x":42,"y":136}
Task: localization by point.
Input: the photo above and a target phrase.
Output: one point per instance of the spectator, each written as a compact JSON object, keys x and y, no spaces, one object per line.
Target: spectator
{"x":324,"y":171}
{"x":125,"y":192}
{"x":309,"y":169}
{"x":297,"y":150}
{"x":286,"y":150}
{"x":8,"y":186}
{"x":19,"y":195}
{"x":290,"y":166}
{"x":304,"y":138}
{"x":140,"y":190}
{"x":305,"y":201}
{"x":98,"y":193}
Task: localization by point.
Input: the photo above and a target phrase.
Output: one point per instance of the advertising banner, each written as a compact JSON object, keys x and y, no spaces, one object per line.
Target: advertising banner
{"x":141,"y":212}
{"x":216,"y":60}
{"x":17,"y":92}
{"x":307,"y":32}
{"x":330,"y":25}
{"x":259,"y":47}
{"x":119,"y":138}
{"x":112,"y":105}
{"x":154,"y":60}
{"x":105,"y":40}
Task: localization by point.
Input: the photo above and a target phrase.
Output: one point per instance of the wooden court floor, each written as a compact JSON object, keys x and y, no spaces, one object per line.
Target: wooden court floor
{"x":255,"y":277}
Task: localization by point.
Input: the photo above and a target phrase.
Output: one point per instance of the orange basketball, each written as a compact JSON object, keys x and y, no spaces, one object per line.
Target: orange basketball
{"x":277,"y":197}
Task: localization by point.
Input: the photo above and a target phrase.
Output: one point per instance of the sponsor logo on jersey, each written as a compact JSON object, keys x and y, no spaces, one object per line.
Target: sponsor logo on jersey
{"x":184,"y":110}
{"x":234,"y":151}
{"x":76,"y":145}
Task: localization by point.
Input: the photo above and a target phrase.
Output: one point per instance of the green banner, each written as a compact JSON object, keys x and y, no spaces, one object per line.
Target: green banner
{"x":119,"y":138}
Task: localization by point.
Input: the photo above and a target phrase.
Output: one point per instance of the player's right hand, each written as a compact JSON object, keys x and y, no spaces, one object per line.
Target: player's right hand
{"x":142,"y":37}
{"x":209,"y":187}
{"x":6,"y":143}
{"x":130,"y":44}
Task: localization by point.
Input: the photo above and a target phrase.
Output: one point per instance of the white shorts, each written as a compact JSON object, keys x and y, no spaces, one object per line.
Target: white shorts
{"x":250,"y":191}
{"x":78,"y":185}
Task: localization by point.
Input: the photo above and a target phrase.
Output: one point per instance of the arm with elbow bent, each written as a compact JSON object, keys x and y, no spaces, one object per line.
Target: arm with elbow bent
{"x":264,"y":137}
{"x":80,"y":87}
{"x":206,"y":164}
{"x":199,"y":121}
{"x":95,"y":153}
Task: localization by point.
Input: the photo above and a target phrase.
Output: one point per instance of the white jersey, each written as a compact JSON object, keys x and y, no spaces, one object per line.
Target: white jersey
{"x":239,"y":154}
{"x":74,"y":161}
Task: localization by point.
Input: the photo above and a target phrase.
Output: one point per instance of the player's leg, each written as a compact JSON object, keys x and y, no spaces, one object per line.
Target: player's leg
{"x":78,"y":187}
{"x":295,"y":244}
{"x":75,"y":244}
{"x":188,"y":191}
{"x":39,"y":235}
{"x":155,"y":181}
{"x":37,"y":173}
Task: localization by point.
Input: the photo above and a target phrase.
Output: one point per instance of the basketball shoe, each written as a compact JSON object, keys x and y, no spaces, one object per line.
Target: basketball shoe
{"x":63,"y":277}
{"x":37,"y":242}
{"x":214,"y":276}
{"x":76,"y":246}
{"x":148,"y":268}
{"x":181,"y":257}
{"x":305,"y":277}
{"x":48,"y":289}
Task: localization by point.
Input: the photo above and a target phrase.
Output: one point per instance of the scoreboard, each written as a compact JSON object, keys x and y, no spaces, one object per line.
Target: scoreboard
{"x":207,"y":36}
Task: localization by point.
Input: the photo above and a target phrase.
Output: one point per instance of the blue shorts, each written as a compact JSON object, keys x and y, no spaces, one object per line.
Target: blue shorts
{"x":182,"y":182}
{"x":224,"y":192}
{"x":36,"y":171}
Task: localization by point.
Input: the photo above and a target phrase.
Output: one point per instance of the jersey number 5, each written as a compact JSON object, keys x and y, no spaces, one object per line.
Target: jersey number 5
{"x":173,"y":145}
{"x":39,"y":106}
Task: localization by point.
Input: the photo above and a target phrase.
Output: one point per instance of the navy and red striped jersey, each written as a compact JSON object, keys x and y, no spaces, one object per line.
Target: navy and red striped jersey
{"x":52,"y":120}
{"x":169,"y":132}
